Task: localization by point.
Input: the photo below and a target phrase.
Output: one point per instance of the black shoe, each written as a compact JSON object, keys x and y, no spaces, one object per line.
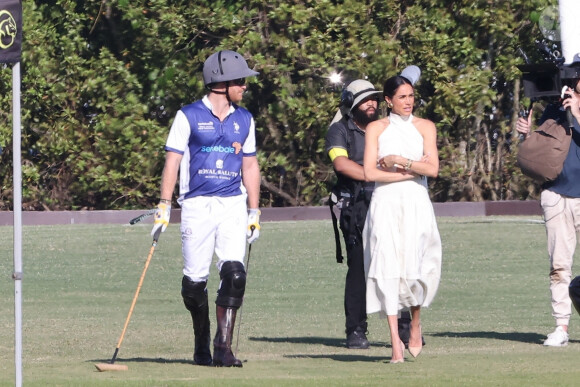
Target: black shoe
{"x":404,"y":324}
{"x":202,"y":358}
{"x":357,"y":340}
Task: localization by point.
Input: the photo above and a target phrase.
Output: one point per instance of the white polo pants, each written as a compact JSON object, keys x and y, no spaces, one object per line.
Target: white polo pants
{"x":212,"y":224}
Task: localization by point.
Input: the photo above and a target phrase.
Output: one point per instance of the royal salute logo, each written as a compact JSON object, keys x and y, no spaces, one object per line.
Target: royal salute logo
{"x":10,"y":31}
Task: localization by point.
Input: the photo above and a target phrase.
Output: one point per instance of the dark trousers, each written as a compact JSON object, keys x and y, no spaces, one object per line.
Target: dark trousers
{"x":355,"y":290}
{"x":352,"y":220}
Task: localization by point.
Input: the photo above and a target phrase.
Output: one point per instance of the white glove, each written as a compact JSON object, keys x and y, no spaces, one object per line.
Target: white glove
{"x":161,"y":218}
{"x":253,"y":232}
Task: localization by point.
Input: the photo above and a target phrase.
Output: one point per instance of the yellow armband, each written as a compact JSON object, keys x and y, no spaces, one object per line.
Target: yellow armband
{"x":335,"y":152}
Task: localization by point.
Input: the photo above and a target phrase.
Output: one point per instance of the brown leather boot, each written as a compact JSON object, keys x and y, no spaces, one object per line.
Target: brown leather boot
{"x":222,"y":343}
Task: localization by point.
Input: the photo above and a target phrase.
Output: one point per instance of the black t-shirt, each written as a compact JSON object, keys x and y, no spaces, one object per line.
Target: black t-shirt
{"x":346,"y":135}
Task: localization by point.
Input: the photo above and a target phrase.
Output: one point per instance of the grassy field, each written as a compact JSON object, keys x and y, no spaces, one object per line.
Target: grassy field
{"x":485,"y":327}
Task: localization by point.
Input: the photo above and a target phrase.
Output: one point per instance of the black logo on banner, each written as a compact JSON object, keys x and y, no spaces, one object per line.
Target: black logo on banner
{"x":10,"y":31}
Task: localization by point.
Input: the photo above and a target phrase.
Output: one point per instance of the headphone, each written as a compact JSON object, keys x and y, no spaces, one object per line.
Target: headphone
{"x":347,"y":97}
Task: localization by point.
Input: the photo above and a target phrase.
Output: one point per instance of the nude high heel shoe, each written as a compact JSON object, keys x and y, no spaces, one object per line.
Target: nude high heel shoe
{"x":415,"y":351}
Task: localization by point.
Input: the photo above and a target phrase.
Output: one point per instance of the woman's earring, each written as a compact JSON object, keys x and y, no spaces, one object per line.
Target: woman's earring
{"x":390,"y":105}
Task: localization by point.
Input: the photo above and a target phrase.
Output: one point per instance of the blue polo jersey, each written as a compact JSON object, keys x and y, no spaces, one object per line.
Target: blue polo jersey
{"x":212,"y":150}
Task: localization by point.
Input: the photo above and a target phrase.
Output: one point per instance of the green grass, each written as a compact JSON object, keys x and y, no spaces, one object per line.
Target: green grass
{"x":485,"y":327}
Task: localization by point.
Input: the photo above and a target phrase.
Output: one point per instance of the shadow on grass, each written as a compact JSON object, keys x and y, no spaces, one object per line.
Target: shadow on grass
{"x":326,"y":341}
{"x":159,"y":360}
{"x":345,"y":358}
{"x":524,"y":337}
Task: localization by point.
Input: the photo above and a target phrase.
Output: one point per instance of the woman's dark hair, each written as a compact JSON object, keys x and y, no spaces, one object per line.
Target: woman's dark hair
{"x":392,"y":84}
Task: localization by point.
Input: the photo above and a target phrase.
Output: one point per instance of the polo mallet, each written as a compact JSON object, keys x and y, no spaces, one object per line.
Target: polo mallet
{"x":143,"y":216}
{"x":111,"y":366}
{"x":242,"y":307}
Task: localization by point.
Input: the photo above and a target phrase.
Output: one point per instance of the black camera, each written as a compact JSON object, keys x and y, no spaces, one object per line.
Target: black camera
{"x":545,"y":80}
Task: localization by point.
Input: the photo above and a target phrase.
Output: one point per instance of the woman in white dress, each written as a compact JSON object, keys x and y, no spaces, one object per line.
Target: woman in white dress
{"x":401,"y":240}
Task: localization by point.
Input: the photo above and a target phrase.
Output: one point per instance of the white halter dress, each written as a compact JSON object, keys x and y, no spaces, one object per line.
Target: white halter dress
{"x":401,"y":241}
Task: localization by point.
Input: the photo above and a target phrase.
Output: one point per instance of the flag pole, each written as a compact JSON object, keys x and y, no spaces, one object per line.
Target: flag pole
{"x":17,"y":194}
{"x":10,"y":52}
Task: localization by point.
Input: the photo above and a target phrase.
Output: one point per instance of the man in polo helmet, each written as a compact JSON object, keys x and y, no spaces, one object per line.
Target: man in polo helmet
{"x":212,"y":144}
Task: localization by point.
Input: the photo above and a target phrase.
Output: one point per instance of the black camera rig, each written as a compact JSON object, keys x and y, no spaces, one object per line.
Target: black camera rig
{"x":545,"y":80}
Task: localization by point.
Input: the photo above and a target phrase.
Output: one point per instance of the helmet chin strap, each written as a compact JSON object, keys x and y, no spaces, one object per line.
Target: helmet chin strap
{"x":226,"y":92}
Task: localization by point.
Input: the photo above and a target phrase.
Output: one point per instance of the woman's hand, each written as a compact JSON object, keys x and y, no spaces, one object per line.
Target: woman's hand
{"x":396,"y":163}
{"x":390,"y":161}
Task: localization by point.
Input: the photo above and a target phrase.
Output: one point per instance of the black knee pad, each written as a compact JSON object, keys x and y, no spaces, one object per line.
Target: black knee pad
{"x":574,"y":291}
{"x":232,"y":286}
{"x":194,"y":293}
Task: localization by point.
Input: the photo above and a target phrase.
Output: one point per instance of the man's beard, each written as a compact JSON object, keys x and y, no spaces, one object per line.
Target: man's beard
{"x":363,"y":118}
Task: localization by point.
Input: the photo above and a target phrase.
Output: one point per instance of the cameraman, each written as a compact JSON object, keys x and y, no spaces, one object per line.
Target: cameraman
{"x":560,"y":200}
